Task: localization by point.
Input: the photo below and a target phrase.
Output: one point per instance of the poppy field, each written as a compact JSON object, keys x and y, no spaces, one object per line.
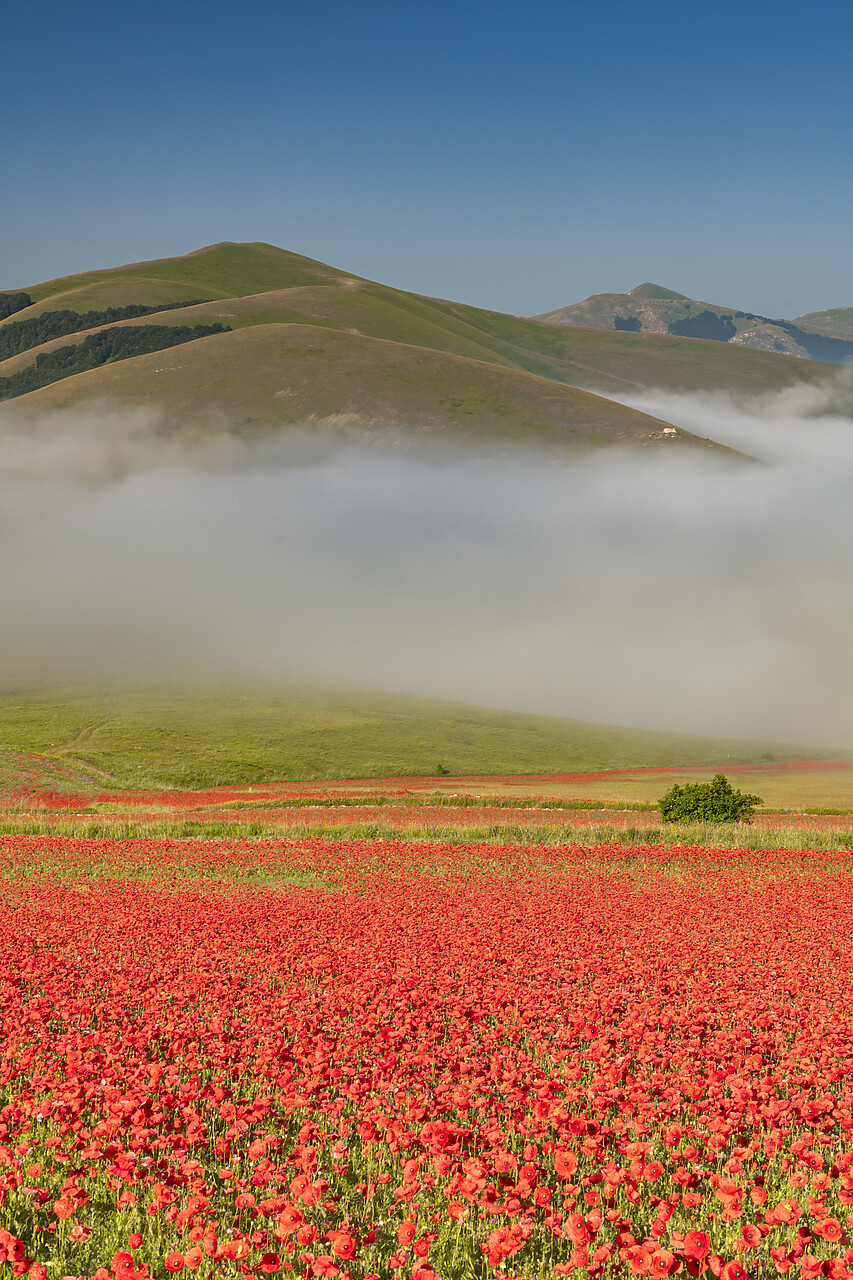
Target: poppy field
{"x":361,"y":1058}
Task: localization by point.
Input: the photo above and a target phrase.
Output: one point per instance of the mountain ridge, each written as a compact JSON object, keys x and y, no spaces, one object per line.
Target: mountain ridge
{"x":380,"y":353}
{"x":651,"y":308}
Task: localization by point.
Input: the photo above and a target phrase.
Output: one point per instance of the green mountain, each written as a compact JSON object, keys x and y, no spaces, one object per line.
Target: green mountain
{"x":309,"y":343}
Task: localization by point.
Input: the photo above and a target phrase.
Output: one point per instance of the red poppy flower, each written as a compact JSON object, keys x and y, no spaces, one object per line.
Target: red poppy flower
{"x":663,"y":1262}
{"x":344,"y":1246}
{"x":406,"y":1233}
{"x":697,"y":1244}
{"x":640,"y":1261}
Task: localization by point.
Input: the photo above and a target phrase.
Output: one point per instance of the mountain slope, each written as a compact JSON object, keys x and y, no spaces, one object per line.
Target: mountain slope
{"x":215,"y":271}
{"x":836,"y":323}
{"x":304,"y":374}
{"x":255,"y":286}
{"x":198,"y":738}
{"x":651,"y":308}
{"x":589,"y":358}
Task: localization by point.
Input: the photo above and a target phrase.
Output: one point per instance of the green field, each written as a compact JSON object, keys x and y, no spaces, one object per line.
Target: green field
{"x":311,"y":342}
{"x":198,"y":739}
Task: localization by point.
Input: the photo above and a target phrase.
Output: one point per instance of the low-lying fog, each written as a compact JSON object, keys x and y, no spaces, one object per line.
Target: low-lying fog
{"x":660,"y":590}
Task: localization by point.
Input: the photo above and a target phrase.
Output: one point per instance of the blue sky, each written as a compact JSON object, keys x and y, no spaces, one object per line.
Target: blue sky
{"x":515,"y":157}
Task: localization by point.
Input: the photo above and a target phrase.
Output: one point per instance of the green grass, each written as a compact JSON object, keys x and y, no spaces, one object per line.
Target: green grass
{"x":221,"y":271}
{"x":837,"y":322}
{"x":255,"y":286}
{"x":193,"y":739}
{"x":589,"y":358}
{"x":277,"y":374}
{"x":706,"y":836}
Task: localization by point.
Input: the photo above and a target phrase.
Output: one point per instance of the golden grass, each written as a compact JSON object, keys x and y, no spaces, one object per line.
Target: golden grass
{"x":779,"y":788}
{"x":278,"y":374}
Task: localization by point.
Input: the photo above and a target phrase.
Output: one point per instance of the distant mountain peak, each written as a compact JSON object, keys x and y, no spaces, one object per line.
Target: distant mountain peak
{"x":651,"y":308}
{"x":658,"y":292}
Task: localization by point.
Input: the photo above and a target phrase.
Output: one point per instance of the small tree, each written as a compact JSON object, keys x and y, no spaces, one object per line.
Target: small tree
{"x":707,"y":802}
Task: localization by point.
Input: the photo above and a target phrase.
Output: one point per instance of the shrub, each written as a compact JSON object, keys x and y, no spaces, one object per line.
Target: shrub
{"x":707,"y":802}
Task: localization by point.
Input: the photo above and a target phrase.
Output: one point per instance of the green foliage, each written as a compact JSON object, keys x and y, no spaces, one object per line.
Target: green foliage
{"x":12,"y":302}
{"x":22,"y":335}
{"x":715,"y":801}
{"x":98,"y":349}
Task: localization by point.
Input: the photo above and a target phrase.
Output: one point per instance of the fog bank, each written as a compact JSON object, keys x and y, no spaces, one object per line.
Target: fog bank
{"x":656,"y":590}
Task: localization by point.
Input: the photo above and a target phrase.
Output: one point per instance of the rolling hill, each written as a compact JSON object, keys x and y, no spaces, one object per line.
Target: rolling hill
{"x":311,"y":343}
{"x":652,"y":308}
{"x":194,"y":738}
{"x":836,"y":323}
{"x":291,"y":374}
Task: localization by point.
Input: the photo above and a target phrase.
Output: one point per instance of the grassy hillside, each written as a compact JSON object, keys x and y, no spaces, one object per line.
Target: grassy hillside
{"x":286,"y":374}
{"x":657,"y":291}
{"x":194,"y":739}
{"x":837,"y":322}
{"x":216,"y":271}
{"x":254,"y":284}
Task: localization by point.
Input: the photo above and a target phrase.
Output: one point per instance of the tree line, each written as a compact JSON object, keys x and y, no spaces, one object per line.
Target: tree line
{"x":21,"y":335}
{"x":12,"y":302}
{"x":99,"y":349}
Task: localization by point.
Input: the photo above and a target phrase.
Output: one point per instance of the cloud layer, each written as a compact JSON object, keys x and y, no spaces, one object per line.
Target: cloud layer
{"x":654,"y":590}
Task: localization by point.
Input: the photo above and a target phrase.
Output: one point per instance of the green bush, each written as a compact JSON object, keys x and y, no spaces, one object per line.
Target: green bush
{"x":707,"y":802}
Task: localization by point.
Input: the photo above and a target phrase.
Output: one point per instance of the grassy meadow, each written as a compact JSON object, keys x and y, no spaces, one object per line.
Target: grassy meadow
{"x":151,"y":738}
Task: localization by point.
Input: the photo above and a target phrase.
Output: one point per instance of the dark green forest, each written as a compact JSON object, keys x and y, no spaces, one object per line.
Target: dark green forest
{"x":12,"y":302}
{"x":101,"y":348}
{"x":22,"y":335}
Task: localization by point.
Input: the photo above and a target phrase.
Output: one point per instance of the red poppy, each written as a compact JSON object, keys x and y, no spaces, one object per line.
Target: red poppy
{"x":663,"y":1263}
{"x":697,"y":1244}
{"x":343,"y":1245}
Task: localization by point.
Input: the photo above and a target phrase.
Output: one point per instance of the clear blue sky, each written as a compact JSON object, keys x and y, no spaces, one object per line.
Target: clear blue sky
{"x":516,"y":157}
